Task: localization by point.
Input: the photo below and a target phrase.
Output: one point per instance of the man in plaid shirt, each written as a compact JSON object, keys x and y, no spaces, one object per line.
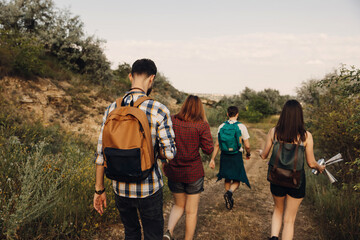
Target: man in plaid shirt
{"x":145,"y":196}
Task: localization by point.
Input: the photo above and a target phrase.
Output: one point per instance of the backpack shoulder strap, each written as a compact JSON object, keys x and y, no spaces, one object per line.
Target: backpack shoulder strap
{"x":119,"y":101}
{"x":278,"y":156}
{"x":141,"y":100}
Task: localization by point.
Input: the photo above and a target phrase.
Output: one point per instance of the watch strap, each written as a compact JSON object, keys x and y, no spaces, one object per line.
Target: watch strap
{"x":100,"y":191}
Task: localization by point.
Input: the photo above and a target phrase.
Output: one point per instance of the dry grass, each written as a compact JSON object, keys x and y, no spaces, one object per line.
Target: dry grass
{"x":264,"y":124}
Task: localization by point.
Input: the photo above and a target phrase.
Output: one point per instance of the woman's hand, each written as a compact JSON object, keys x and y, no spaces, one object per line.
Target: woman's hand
{"x":320,"y":168}
{"x":212,"y":163}
{"x":260,"y":151}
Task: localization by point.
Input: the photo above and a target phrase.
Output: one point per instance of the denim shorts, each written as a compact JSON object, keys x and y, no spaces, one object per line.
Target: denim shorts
{"x":188,"y":188}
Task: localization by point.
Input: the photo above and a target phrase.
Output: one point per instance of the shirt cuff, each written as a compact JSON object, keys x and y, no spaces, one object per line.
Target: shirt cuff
{"x":99,"y":160}
{"x":170,"y":152}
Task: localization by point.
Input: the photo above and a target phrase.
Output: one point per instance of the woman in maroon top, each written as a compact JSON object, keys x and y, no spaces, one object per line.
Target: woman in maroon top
{"x":185,"y":172}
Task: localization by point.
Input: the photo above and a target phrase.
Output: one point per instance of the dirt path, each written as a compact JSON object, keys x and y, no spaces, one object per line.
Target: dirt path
{"x":251,"y":216}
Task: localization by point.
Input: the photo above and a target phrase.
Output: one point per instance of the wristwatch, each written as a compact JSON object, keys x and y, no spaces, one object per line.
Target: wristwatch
{"x":100,"y":191}
{"x":248,"y":154}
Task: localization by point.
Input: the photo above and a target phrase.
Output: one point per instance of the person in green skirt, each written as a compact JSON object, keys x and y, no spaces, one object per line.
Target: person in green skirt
{"x":231,"y":134}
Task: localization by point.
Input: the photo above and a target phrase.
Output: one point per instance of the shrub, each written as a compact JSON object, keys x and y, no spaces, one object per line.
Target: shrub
{"x":57,"y":33}
{"x":331,"y":108}
{"x":215,"y":116}
{"x":46,"y":179}
{"x":251,"y":116}
{"x":31,"y":186}
{"x":22,"y":55}
{"x":255,"y":106}
{"x":333,"y":117}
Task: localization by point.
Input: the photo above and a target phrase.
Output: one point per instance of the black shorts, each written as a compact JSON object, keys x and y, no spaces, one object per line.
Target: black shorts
{"x":280,"y":191}
{"x":229,"y":180}
{"x":188,"y":188}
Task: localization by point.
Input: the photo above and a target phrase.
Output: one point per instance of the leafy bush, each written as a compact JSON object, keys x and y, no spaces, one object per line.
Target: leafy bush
{"x":121,"y":75}
{"x":58,"y":33}
{"x":31,"y":185}
{"x":254,"y":106}
{"x":333,"y":117}
{"x":215,"y":116}
{"x":47,"y":181}
{"x":332,"y":111}
{"x":251,"y":116}
{"x":21,"y":55}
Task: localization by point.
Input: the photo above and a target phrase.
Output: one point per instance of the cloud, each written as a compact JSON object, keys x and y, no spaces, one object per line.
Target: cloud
{"x":261,"y":48}
{"x":257,"y":60}
{"x":315,"y":62}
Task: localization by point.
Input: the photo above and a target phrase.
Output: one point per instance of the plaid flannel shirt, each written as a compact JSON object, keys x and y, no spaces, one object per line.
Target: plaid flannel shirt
{"x":187,"y":167}
{"x":161,"y":129}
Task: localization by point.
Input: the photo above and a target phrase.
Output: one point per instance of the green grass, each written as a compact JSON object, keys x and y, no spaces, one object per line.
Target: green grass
{"x":265,"y":124}
{"x":47,"y":181}
{"x":337,"y":209}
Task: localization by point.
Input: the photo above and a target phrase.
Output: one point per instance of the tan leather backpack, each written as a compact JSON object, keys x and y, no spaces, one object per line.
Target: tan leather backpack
{"x":127,"y":143}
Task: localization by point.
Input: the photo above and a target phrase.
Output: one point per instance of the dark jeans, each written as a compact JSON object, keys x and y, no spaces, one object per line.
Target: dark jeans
{"x":151,"y":215}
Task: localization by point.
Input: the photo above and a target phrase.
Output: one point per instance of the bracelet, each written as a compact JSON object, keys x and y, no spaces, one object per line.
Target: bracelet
{"x":100,"y":191}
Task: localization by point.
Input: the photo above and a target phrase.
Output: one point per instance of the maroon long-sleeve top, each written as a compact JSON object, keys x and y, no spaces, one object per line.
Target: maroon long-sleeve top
{"x":187,"y":167}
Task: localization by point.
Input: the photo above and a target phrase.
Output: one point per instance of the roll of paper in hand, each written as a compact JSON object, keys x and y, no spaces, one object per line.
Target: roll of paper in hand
{"x":320,"y":162}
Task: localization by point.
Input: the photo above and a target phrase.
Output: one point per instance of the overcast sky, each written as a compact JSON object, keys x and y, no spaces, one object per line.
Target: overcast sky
{"x":205,"y":46}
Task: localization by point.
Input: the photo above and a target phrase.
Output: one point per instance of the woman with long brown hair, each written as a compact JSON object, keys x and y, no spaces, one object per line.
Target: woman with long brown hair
{"x":291,"y":135}
{"x":185,"y":172}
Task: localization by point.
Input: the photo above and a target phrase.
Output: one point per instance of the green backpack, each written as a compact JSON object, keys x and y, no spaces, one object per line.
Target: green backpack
{"x":228,"y":137}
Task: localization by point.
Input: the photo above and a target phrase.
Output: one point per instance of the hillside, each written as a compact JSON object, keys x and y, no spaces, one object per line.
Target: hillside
{"x":76,"y":107}
{"x":60,"y":103}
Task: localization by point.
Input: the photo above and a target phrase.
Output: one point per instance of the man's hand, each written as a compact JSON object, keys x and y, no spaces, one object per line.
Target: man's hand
{"x":99,"y":202}
{"x":212,"y":164}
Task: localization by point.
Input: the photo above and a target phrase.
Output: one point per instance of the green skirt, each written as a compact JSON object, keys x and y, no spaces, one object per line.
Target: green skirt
{"x":232,"y":168}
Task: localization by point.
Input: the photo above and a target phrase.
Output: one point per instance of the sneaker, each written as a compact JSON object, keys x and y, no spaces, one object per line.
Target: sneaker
{"x":231,"y":201}
{"x":228,"y":200}
{"x":167,"y":236}
{"x":273,"y":238}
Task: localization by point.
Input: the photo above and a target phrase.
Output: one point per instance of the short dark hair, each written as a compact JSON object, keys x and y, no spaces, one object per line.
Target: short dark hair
{"x":232,"y":111}
{"x":144,"y":66}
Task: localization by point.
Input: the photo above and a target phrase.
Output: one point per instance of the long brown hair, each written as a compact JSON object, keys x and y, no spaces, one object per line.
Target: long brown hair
{"x":291,"y":123}
{"x":192,"y":110}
